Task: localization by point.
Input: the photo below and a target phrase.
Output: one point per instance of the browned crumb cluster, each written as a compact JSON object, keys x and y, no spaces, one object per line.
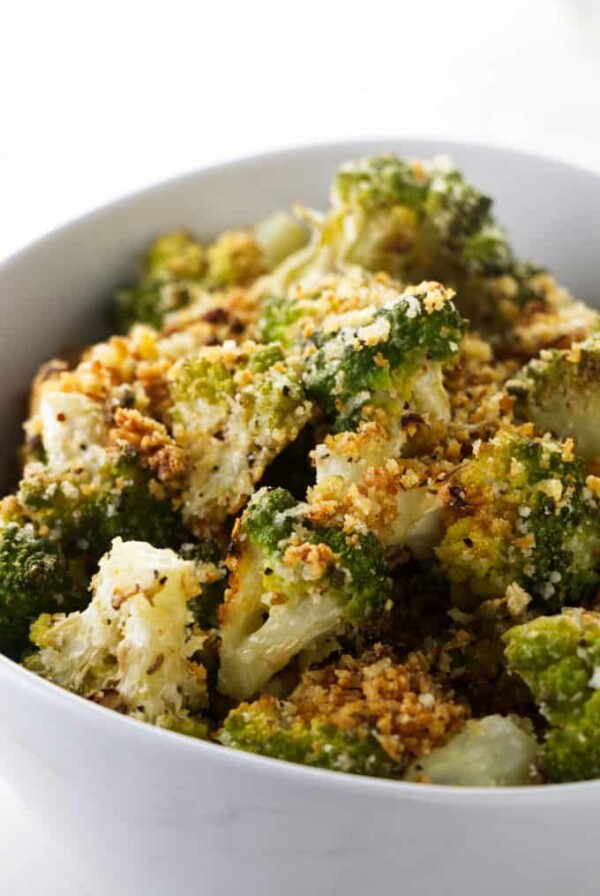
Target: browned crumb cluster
{"x":400,"y":703}
{"x":155,"y":448}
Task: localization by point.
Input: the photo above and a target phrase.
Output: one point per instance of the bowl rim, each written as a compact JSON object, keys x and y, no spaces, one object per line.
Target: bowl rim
{"x":281,"y":769}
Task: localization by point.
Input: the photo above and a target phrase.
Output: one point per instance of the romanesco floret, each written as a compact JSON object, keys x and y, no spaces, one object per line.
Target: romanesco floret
{"x":234,"y":409}
{"x":101,"y":479}
{"x":389,"y":358}
{"x":519,"y":511}
{"x":412,"y":216}
{"x":133,"y":646}
{"x":85,"y":513}
{"x":560,"y":393}
{"x":35,"y":577}
{"x":495,"y":751}
{"x":551,"y":320}
{"x":559,"y":659}
{"x":361,"y":476}
{"x":175,"y":255}
{"x":421,"y":220}
{"x":174,"y":264}
{"x":178,"y":269}
{"x":292,"y":586}
{"x":321,"y":303}
{"x":367,"y":716}
{"x":149,"y":303}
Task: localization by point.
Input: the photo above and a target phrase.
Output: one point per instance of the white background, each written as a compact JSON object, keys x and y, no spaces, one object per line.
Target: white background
{"x":101,"y":98}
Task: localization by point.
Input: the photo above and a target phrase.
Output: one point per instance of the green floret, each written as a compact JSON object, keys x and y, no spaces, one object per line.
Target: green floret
{"x":235,"y":408}
{"x":262,"y":727}
{"x":176,"y":255}
{"x":85,"y":513}
{"x":362,"y":716}
{"x":148,"y":303}
{"x":208,"y":559}
{"x":421,"y":220}
{"x":279,"y":320}
{"x":560,"y":393}
{"x":293,"y":585}
{"x":234,"y":258}
{"x":520,"y":511}
{"x":35,"y":577}
{"x":177,"y":269}
{"x":429,"y":204}
{"x":322,"y":303}
{"x":174,"y":262}
{"x":559,"y":659}
{"x":392,"y":358}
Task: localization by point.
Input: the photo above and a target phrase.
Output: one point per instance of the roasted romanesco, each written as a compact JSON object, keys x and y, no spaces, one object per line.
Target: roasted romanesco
{"x":559,"y":658}
{"x":293,"y":587}
{"x":369,"y":716}
{"x":520,"y":511}
{"x":133,"y":646}
{"x":560,"y":393}
{"x":321,"y":495}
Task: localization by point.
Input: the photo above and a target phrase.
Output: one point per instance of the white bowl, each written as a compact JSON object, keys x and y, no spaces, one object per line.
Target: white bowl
{"x":151,"y":812}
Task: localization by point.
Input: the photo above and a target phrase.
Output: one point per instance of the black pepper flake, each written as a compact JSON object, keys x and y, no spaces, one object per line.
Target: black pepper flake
{"x":458,"y":494}
{"x":468,"y":542}
{"x":216,"y":316}
{"x":407,"y":419}
{"x":155,"y":664}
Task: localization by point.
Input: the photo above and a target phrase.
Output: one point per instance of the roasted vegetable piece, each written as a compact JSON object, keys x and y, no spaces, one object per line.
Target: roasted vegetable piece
{"x":132,"y":648}
{"x":178,"y":269}
{"x":325,"y":303}
{"x":367,"y":716}
{"x":234,"y":409}
{"x":520,"y":511}
{"x":559,"y":658}
{"x":35,"y":577}
{"x":240,"y":256}
{"x":560,"y":393}
{"x":148,"y":303}
{"x":388,"y":359}
{"x":410,"y":216}
{"x":176,"y":255}
{"x":361,"y":477}
{"x":292,"y":586}
{"x":491,"y":752}
{"x":84,"y":514}
{"x":422,"y":220}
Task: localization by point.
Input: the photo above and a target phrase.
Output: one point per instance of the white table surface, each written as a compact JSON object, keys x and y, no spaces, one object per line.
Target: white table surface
{"x":98,"y":100}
